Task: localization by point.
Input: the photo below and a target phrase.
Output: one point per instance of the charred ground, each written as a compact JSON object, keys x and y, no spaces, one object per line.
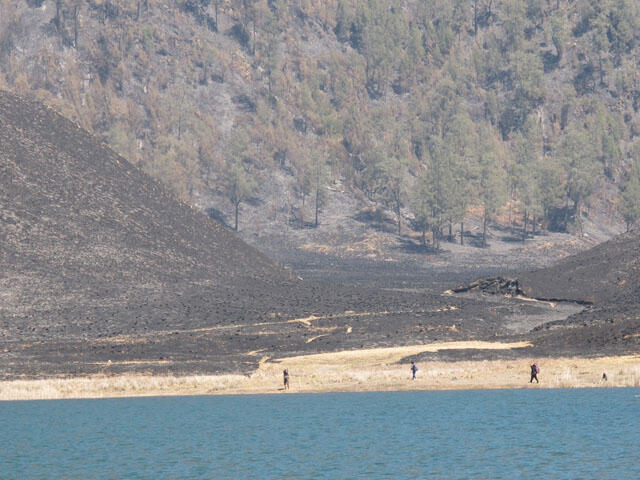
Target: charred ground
{"x":604,"y":280}
{"x":104,"y":271}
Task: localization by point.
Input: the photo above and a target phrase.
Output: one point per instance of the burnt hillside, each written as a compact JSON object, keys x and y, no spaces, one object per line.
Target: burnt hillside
{"x":103,"y":271}
{"x":608,"y":277}
{"x":604,"y":279}
{"x":71,"y":204}
{"x":83,"y":231}
{"x":606,"y":274}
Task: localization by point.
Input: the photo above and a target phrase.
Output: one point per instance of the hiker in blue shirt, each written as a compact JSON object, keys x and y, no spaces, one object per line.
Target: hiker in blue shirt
{"x":414,"y":369}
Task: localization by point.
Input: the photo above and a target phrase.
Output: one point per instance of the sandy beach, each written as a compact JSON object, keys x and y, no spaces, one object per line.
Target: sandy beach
{"x":348,"y":371}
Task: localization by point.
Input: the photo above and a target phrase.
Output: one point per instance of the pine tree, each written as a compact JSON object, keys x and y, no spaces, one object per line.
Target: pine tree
{"x":492,"y":179}
{"x":461,"y":140}
{"x":578,"y":158}
{"x":422,"y":201}
{"x":393,"y":178}
{"x":630,"y":205}
{"x":320,"y":178}
{"x":527,"y":147}
{"x":239,"y":185}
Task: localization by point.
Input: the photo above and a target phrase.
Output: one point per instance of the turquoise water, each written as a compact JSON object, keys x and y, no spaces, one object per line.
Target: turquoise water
{"x":521,"y":434}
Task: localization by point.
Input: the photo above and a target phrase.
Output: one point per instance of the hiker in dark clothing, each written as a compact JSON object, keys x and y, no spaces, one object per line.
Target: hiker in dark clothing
{"x":534,"y":372}
{"x":414,"y":370}
{"x":285,"y":376}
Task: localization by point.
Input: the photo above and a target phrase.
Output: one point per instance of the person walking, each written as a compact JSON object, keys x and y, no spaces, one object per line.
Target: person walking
{"x":285,"y":377}
{"x":414,"y":370}
{"x":534,"y":372}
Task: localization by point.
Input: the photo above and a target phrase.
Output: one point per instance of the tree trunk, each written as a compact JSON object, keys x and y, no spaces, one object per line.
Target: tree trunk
{"x":450,"y":229}
{"x":475,"y":17}
{"x":533,"y":224}
{"x":579,"y":216}
{"x":76,"y":25}
{"x":317,"y":206}
{"x":237,"y":207}
{"x":438,"y":235}
{"x":601,"y":68}
{"x":58,"y":19}
{"x":254,"y":37}
{"x":484,"y":230}
{"x":461,"y":233}
{"x":524,"y":230}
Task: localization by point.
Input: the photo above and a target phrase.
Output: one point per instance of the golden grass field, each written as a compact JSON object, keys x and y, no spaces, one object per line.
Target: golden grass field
{"x":349,"y":371}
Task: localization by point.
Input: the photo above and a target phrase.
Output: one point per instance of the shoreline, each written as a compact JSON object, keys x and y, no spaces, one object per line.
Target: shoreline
{"x":369,"y":370}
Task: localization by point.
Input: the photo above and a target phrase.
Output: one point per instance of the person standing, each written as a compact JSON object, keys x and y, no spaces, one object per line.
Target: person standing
{"x":285,"y":376}
{"x":414,"y":370}
{"x":534,"y":372}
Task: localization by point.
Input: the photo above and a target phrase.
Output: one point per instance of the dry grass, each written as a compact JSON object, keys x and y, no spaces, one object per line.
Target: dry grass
{"x":120,"y":386}
{"x":359,"y":370}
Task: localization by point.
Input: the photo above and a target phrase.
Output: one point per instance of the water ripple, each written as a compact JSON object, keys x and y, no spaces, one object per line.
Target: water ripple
{"x":560,"y":434}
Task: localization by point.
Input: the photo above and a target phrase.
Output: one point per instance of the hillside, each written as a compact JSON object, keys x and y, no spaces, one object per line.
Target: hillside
{"x":69,"y":202}
{"x":473,"y":116}
{"x":103,"y":271}
{"x":83,"y":231}
{"x":92,"y":247}
{"x":605,"y":279}
{"x":608,"y":274}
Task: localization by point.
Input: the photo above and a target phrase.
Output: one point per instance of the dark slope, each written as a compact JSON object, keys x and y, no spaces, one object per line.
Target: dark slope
{"x":607,"y":274}
{"x":605,"y":279}
{"x":608,"y":277}
{"x":68,"y":202}
{"x":82,"y":229}
{"x":92,"y":248}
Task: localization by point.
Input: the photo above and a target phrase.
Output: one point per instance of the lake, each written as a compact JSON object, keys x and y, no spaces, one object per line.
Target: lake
{"x":498,"y":434}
